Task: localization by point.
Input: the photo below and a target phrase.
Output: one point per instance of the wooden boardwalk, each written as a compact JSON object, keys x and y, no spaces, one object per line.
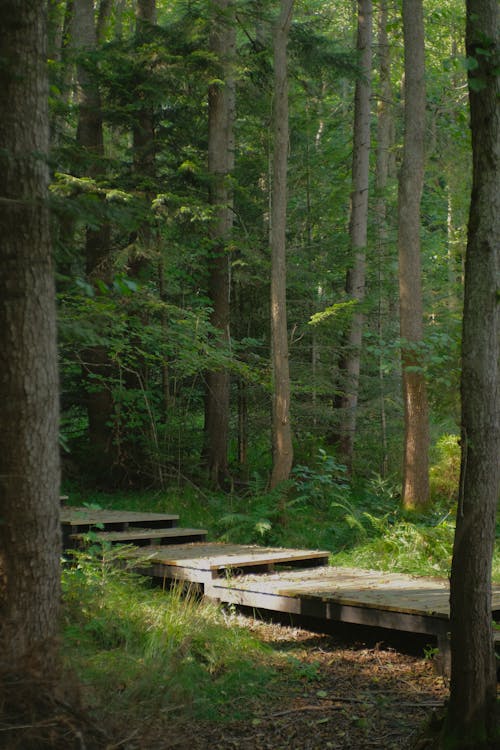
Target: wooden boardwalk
{"x":293,"y":581}
{"x":124,"y":527}
{"x":202,"y":563}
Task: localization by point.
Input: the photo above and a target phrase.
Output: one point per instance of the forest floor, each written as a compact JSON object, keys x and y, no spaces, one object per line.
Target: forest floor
{"x":355,"y":698}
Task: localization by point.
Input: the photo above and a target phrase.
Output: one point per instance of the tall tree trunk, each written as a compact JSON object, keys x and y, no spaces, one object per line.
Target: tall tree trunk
{"x":30,"y":541}
{"x":96,"y":364}
{"x":281,"y":427}
{"x":143,"y":131}
{"x":384,"y":129}
{"x":137,"y":462}
{"x":473,"y":719}
{"x":221,"y":115}
{"x":355,"y":282}
{"x":416,"y":412}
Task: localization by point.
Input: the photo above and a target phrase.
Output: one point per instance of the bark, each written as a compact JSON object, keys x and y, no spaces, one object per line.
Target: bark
{"x":138,"y":458}
{"x":243,"y":428}
{"x":96,"y":365}
{"x":144,"y":133}
{"x":472,"y":715}
{"x":384,"y":130}
{"x":103,"y":16}
{"x":355,"y":282}
{"x":221,"y":115}
{"x":281,"y":426}
{"x":29,"y":457}
{"x":416,"y":412}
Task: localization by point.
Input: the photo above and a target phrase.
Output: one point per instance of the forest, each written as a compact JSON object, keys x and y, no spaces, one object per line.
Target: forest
{"x":162,"y":195}
{"x":249,"y":275}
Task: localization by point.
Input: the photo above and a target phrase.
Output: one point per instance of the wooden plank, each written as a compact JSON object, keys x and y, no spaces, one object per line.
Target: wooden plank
{"x":331,"y":611}
{"x":219,"y":554}
{"x":217,"y":558}
{"x":148,"y":536}
{"x":146,"y":567}
{"x":88,"y":517}
{"x":324,"y":590}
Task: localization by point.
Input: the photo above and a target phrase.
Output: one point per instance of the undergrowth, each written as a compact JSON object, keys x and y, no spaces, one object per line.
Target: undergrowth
{"x":361,"y":523}
{"x":138,"y":650}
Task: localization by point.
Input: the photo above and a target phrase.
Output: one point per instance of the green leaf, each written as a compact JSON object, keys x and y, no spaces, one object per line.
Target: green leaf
{"x":85,"y":287}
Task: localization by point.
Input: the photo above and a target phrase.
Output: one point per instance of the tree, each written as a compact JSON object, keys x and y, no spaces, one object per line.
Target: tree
{"x":143,"y":131}
{"x":473,"y":721}
{"x":96,"y":364}
{"x":384,"y":131}
{"x":281,"y":426}
{"x":416,"y":412}
{"x":355,"y":282}
{"x":30,"y":541}
{"x":221,"y":115}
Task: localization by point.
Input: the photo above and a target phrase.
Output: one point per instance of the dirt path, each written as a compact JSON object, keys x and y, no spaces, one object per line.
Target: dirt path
{"x":357,"y":698}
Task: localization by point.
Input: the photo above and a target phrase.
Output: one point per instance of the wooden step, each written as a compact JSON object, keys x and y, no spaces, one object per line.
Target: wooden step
{"x":81,"y":520}
{"x":141,"y":537}
{"x":201,"y":563}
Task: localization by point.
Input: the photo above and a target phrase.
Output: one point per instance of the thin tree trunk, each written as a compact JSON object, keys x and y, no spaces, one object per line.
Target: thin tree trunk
{"x":281,"y":426}
{"x":133,"y":456}
{"x":221,"y":115}
{"x":473,"y":720}
{"x":416,"y":412}
{"x":384,"y":121}
{"x":355,"y":282}
{"x":96,"y":365}
{"x":30,"y":540}
{"x":243,"y":427}
{"x":143,"y":132}
{"x":103,"y":16}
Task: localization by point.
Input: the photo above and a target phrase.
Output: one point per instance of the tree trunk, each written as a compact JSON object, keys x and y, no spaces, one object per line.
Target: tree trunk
{"x":281,"y":427}
{"x":416,"y":413}
{"x":221,"y":114}
{"x":384,"y":129}
{"x":96,"y":364}
{"x":355,"y":282}
{"x":143,"y":132}
{"x":472,"y":715}
{"x":30,"y":541}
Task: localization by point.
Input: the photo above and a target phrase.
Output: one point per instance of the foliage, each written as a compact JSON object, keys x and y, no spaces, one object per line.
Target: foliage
{"x":151,"y":314}
{"x":445,"y":471}
{"x":162,"y":650}
{"x":318,"y":487}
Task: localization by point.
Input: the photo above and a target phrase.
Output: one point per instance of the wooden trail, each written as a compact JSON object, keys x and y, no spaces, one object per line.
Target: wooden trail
{"x":298,"y":582}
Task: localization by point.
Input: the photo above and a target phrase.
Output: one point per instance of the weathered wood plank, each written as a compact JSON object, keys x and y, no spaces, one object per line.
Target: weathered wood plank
{"x":217,"y":558}
{"x":88,"y":517}
{"x":332,"y":611}
{"x":328,"y":592}
{"x":143,"y":536}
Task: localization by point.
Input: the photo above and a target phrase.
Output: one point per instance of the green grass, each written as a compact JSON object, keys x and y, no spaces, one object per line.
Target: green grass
{"x":138,"y":650}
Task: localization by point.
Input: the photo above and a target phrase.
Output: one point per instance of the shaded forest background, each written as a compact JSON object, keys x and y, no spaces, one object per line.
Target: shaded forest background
{"x":135,"y":250}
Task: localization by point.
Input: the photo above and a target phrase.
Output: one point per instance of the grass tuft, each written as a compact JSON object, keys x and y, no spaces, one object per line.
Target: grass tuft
{"x":138,"y":649}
